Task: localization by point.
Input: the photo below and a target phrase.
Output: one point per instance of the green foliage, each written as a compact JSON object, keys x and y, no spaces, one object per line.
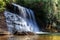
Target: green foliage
{"x":57,"y":14}
{"x":2,"y":4}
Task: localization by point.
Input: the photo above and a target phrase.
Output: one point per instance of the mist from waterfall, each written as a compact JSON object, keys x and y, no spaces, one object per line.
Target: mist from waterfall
{"x":24,"y":21}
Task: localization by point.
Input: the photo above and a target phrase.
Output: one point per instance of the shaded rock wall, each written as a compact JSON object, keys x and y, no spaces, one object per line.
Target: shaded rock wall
{"x":3,"y":25}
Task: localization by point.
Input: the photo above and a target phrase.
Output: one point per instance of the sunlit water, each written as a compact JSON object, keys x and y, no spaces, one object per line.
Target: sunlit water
{"x":30,"y":37}
{"x":24,"y":21}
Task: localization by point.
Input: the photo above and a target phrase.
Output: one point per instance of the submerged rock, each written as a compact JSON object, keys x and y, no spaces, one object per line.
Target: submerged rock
{"x":24,"y":33}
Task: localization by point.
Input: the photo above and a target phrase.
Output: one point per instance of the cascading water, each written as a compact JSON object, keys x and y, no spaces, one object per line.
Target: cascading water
{"x":22,"y":22}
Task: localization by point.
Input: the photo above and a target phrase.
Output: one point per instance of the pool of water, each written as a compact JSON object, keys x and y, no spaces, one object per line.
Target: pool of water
{"x":30,"y":37}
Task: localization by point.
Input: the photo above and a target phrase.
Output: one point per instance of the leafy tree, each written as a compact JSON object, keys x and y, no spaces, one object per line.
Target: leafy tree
{"x":2,"y":4}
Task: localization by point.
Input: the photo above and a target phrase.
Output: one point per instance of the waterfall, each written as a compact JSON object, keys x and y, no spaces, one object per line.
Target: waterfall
{"x":22,"y":22}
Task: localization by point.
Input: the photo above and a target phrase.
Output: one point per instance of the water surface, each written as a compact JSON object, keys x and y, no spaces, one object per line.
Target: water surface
{"x":30,"y":37}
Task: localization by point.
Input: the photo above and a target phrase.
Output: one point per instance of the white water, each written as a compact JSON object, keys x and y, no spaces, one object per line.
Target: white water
{"x":23,"y":22}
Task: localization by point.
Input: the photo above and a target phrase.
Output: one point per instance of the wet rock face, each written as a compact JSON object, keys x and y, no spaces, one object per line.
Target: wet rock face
{"x":3,"y":25}
{"x":12,"y":9}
